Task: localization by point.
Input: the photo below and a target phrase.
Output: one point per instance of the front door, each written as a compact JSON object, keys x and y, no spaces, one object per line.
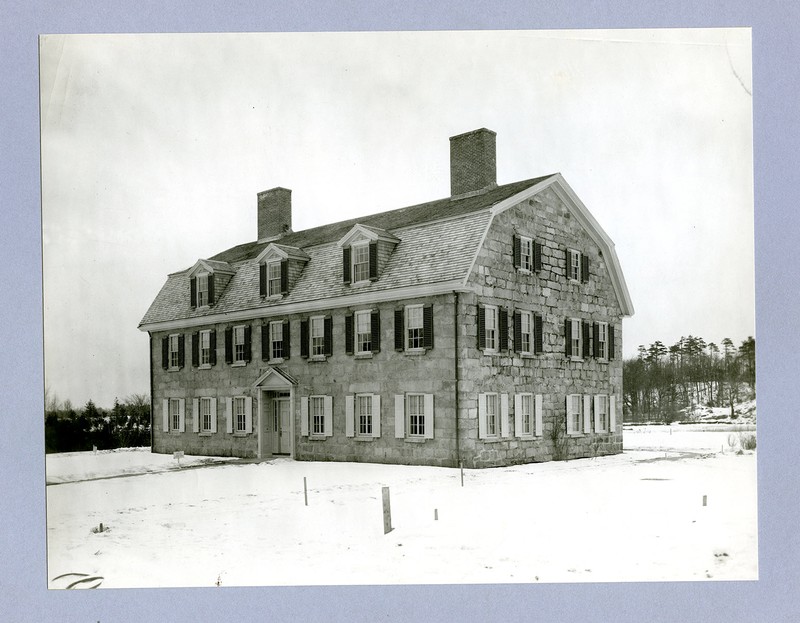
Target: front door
{"x":281,"y":426}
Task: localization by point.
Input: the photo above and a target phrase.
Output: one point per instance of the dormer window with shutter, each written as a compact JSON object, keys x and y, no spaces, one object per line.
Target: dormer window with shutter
{"x":365,"y":253}
{"x":207,"y":281}
{"x":280,"y":267}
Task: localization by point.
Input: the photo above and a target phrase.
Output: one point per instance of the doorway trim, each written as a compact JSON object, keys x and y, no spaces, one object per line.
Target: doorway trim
{"x":274,"y":380}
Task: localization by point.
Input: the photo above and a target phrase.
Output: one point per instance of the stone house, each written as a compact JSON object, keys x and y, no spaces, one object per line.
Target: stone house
{"x":484,"y":329}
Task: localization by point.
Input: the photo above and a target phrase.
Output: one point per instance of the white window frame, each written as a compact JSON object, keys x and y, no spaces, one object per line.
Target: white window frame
{"x":492,"y":415}
{"x":204,"y":345}
{"x":238,"y":346}
{"x":175,"y":415}
{"x":364,"y":421}
{"x":362,"y":320}
{"x":601,"y":413}
{"x":202,"y":290}
{"x":417,"y":421}
{"x":205,"y":414}
{"x":576,"y":346}
{"x":273,"y":278}
{"x":526,"y":317}
{"x":526,"y":253}
{"x":316,"y":413}
{"x":359,"y":262}
{"x":491,"y":319}
{"x":276,"y":340}
{"x":602,"y":332}
{"x":415,"y":327}
{"x":174,"y":352}
{"x":316,"y":349}
{"x":575,"y":415}
{"x":239,"y":414}
{"x":526,"y":413}
{"x":574,"y":268}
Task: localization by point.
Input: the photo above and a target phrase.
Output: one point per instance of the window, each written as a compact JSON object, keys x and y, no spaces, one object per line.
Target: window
{"x":526,"y":253}
{"x":205,"y":415}
{"x":276,"y":340}
{"x":238,"y":344}
{"x":316,"y":413}
{"x":364,"y":415}
{"x":573,"y":265}
{"x":240,"y":414}
{"x":205,"y":348}
{"x":574,"y":337}
{"x":601,"y":340}
{"x":317,"y":336}
{"x":413,"y":416}
{"x":492,"y":416}
{"x":363,"y":332}
{"x":273,"y":278}
{"x":526,"y":413}
{"x":600,"y":413}
{"x":416,"y":415}
{"x":174,"y":351}
{"x":360,"y":255}
{"x":526,"y":332}
{"x":175,"y":414}
{"x":491,"y":328}
{"x":202,"y":289}
{"x":574,"y":414}
{"x":414,"y":327}
{"x":317,"y":405}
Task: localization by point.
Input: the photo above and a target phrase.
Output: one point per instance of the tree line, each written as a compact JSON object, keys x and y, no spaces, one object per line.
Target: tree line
{"x":126,"y":424}
{"x":663,"y":382}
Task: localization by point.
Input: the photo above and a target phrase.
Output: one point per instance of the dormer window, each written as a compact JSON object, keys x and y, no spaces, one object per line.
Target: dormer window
{"x":279,"y":268}
{"x":360,"y":257}
{"x":207,"y":282}
{"x":273,"y":278}
{"x":202,"y":290}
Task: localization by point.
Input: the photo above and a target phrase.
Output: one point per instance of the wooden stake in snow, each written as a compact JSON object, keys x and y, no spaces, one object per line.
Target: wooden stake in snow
{"x":178,"y":455}
{"x":705,"y":500}
{"x":436,"y":514}
{"x":305,"y":490}
{"x":461,"y":466}
{"x":387,"y":512}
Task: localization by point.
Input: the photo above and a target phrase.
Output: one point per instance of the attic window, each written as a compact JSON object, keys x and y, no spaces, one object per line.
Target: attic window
{"x":360,"y":256}
{"x":201,"y":290}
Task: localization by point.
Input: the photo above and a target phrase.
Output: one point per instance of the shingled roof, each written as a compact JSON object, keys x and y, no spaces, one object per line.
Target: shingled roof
{"x":394,"y":219}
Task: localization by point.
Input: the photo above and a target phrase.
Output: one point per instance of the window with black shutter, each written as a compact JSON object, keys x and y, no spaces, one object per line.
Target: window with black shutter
{"x":195,"y":349}
{"x":165,"y":352}
{"x":375,"y":328}
{"x":537,"y":256}
{"x":427,"y":326}
{"x":346,"y":265}
{"x":503,"y":332}
{"x":265,"y":342}
{"x":538,"y":337}
{"x":610,"y":342}
{"x":373,"y":261}
{"x":287,"y":344}
{"x":517,"y":252}
{"x":262,"y":280}
{"x":328,"y":336}
{"x":348,"y":334}
{"x":584,"y":268}
{"x":568,"y":337}
{"x":481,"y":328}
{"x":399,"y":329}
{"x":284,"y":276}
{"x":595,"y":339}
{"x":211,"y":289}
{"x":229,"y":345}
{"x":248,"y":346}
{"x":585,"y":338}
{"x":181,"y":351}
{"x":304,"y":338}
{"x":518,"y":331}
{"x":213,"y":353}
{"x":193,"y":291}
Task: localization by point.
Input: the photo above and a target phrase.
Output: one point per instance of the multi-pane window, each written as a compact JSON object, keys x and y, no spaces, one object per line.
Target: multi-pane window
{"x":600,"y":412}
{"x":205,"y":415}
{"x":240,"y":414}
{"x":360,"y":259}
{"x":602,"y":340}
{"x":526,"y":406}
{"x":273,"y":278}
{"x":574,"y":266}
{"x":574,"y":414}
{"x":317,"y":336}
{"x":276,"y":340}
{"x":363,"y":331}
{"x":414,"y":327}
{"x":175,"y":413}
{"x":490,"y":319}
{"x":416,"y":415}
{"x":491,"y":415}
{"x":576,"y":337}
{"x":174,"y":360}
{"x":526,"y":253}
{"x":363,"y":415}
{"x":205,"y":348}
{"x":202,"y":289}
{"x":317,"y":412}
{"x":238,"y":343}
{"x":526,"y":331}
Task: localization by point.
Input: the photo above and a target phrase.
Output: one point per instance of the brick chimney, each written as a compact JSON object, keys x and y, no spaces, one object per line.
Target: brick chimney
{"x":274,"y":213}
{"x":473,"y":162}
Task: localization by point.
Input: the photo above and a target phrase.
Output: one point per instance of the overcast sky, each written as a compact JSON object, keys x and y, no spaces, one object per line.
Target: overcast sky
{"x":154,"y":147}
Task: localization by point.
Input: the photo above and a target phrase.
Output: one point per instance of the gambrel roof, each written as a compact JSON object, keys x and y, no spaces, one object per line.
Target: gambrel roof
{"x":439,"y":242}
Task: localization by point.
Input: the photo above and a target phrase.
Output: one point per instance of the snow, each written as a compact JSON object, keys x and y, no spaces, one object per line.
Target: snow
{"x":638,"y":516}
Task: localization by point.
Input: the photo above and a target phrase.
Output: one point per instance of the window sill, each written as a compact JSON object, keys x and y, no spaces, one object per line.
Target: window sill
{"x":203,"y":307}
{"x":524,"y":271}
{"x":240,"y":434}
{"x":416,"y":439}
{"x":204,"y":366}
{"x":206,"y":433}
{"x":238,"y":364}
{"x":358,"y":438}
{"x":318,"y":358}
{"x":415,"y":352}
{"x":360,"y":284}
{"x":272,"y":297}
{"x":363,"y":355}
{"x":575,"y":434}
{"x":576,"y":359}
{"x":175,"y":369}
{"x":275,"y":361}
{"x":317,"y":437}
{"x":494,"y":439}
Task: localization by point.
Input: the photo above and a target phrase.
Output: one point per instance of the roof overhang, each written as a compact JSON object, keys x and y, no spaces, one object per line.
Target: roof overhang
{"x":208,"y":266}
{"x":282,"y":252}
{"x":363,"y":232}
{"x":275,"y":378}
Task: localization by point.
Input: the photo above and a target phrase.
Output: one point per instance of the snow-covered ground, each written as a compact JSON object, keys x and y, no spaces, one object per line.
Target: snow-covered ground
{"x":638,"y":516}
